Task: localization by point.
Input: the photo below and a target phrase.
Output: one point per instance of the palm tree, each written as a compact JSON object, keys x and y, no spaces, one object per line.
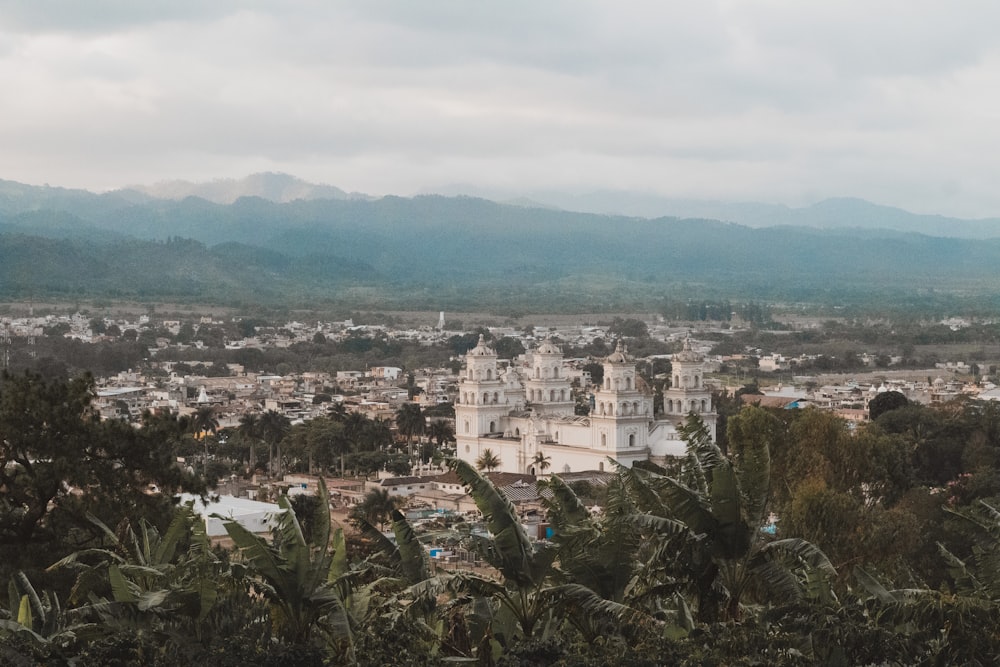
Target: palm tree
{"x":488,"y":461}
{"x":274,"y":426}
{"x":410,"y":421}
{"x":542,"y":461}
{"x":249,"y":430}
{"x":328,"y":436}
{"x":204,"y":423}
{"x":377,"y":434}
{"x":376,"y":507}
{"x":355,"y":424}
{"x":441,"y":432}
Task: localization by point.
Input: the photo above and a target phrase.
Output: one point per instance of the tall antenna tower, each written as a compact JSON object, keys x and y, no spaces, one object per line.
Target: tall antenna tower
{"x":6,"y":344}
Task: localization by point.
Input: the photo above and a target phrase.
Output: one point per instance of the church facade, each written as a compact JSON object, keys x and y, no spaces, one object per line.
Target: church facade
{"x":522,"y":411}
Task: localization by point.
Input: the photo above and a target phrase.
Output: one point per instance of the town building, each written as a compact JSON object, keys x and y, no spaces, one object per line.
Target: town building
{"x":523,"y":411}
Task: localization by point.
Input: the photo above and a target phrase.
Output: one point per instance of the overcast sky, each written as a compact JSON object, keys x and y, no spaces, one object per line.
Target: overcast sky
{"x":784,"y":101}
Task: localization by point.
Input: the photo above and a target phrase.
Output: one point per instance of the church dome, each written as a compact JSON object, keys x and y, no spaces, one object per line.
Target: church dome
{"x":618,"y":356}
{"x":687,"y":354}
{"x":481,"y":349}
{"x":548,"y":347}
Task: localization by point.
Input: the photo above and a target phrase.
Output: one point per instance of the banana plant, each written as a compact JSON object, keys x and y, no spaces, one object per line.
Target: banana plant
{"x":528,"y":597}
{"x":303,"y":582}
{"x":406,"y":555}
{"x":41,"y":619}
{"x":170,"y":583}
{"x":706,"y":524}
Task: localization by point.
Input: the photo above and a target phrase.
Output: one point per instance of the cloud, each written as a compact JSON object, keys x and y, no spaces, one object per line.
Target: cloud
{"x":771,"y":100}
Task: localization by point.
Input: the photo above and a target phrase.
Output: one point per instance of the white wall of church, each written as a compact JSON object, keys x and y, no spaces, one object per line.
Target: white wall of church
{"x":664,"y":440}
{"x":622,"y":426}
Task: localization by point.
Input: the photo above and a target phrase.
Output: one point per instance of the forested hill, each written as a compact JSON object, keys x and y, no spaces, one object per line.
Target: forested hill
{"x":434,"y":251}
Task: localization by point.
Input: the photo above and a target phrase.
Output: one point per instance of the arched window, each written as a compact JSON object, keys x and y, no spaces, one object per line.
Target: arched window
{"x":486,"y":398}
{"x":635,"y":408}
{"x":496,"y":397}
{"x":604,"y":440}
{"x":704,"y":405}
{"x":677,"y":380}
{"x":557,"y":436}
{"x":628,"y":382}
{"x":562,"y":394}
{"x":607,"y":383}
{"x":555,"y":372}
{"x":489,"y":374}
{"x":493,"y":427}
{"x":466,"y":429}
{"x":600,"y":466}
{"x":631,"y":439}
{"x":517,"y":432}
{"x":696,"y":381}
{"x":552,"y":395}
{"x":536,"y":371}
{"x":618,"y":383}
{"x":545,"y":373}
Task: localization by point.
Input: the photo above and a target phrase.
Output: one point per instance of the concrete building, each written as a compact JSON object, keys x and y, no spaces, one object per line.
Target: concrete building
{"x":523,"y":412}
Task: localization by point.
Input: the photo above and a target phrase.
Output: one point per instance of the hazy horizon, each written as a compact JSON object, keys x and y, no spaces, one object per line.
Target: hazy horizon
{"x":774,"y":102}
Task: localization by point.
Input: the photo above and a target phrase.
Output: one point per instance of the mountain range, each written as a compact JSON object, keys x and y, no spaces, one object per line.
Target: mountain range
{"x":273,"y":238}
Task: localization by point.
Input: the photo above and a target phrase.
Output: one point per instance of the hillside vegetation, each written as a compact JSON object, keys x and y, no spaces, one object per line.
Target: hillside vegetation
{"x":453,"y":252}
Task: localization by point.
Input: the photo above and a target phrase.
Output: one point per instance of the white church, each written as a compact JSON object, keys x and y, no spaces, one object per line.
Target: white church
{"x":525,"y":408}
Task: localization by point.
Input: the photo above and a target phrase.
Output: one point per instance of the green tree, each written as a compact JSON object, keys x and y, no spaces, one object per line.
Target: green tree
{"x":715,"y":511}
{"x":488,"y":461}
{"x":58,"y":461}
{"x":249,"y":432}
{"x":410,"y":422}
{"x":274,"y":426}
{"x":376,"y":435}
{"x":630,"y":328}
{"x":376,"y":507}
{"x":158,"y":581}
{"x":542,"y":461}
{"x":301,"y":579}
{"x":884,"y":402}
{"x":442,"y":432}
{"x":527,"y":595}
{"x":204,"y":425}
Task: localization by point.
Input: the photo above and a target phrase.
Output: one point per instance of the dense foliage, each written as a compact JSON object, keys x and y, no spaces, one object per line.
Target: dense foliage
{"x":805,"y":542}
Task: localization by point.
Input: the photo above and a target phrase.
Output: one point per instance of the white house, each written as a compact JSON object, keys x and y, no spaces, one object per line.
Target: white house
{"x":255,"y":516}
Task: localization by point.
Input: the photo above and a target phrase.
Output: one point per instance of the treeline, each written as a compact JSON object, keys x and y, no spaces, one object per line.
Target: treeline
{"x":715,"y":311}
